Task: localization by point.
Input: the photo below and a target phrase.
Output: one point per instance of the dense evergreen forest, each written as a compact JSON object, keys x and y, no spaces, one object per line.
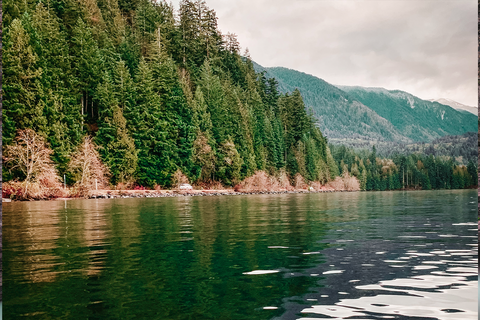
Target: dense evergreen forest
{"x":161,"y":92}
{"x":404,"y":170}
{"x":462,"y":148}
{"x":158,"y":90}
{"x":363,"y":113}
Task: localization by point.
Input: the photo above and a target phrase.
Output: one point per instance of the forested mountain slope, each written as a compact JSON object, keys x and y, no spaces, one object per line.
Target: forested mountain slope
{"x":336,"y":114}
{"x":418,"y":119}
{"x":160,"y":92}
{"x":456,"y":105}
{"x":137,"y":94}
{"x":372,"y":113}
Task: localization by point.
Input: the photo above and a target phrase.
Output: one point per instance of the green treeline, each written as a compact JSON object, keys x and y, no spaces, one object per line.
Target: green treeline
{"x":411,"y":171}
{"x":158,"y":90}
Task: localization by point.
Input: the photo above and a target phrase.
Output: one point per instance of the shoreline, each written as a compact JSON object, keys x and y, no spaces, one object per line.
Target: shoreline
{"x":126,"y":194}
{"x":114,"y":194}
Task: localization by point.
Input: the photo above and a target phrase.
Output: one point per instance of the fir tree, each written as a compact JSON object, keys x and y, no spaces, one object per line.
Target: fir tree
{"x":117,"y":147}
{"x":21,"y":84}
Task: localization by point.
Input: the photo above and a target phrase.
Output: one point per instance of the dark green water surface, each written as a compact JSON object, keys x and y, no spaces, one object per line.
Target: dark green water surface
{"x":364,"y":255}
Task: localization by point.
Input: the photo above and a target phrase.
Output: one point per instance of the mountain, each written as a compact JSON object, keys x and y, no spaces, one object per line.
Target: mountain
{"x":337,"y":115}
{"x":344,"y":112}
{"x":456,"y":105}
{"x":418,"y":119}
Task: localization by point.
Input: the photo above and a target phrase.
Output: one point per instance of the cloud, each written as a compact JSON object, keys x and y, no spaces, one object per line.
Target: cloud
{"x":427,"y":48}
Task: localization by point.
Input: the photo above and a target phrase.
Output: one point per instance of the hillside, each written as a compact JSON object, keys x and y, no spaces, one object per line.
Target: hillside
{"x":456,"y":105}
{"x":415,"y":118}
{"x":337,"y":115}
{"x":137,"y":96}
{"x":372,"y":114}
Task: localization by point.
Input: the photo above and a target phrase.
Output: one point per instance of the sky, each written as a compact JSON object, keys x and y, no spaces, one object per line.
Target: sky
{"x":425,"y":47}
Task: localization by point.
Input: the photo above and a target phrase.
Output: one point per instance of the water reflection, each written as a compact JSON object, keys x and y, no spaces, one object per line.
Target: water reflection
{"x":245,"y":257}
{"x":38,"y":232}
{"x":95,"y":235}
{"x":423,"y":284}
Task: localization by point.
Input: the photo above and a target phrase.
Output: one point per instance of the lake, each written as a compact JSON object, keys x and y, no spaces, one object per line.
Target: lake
{"x":362,"y":255}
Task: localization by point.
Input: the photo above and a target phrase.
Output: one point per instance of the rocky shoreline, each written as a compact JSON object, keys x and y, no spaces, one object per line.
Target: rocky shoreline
{"x":207,"y":193}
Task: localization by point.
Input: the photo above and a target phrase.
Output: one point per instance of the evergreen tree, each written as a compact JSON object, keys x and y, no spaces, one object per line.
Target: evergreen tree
{"x":204,"y":157}
{"x":174,"y":109}
{"x":472,"y":173}
{"x":86,"y":65}
{"x":21,"y":83}
{"x":363,"y":180}
{"x":155,"y":164}
{"x":118,"y":149}
{"x":58,"y":102}
{"x":229,"y":163}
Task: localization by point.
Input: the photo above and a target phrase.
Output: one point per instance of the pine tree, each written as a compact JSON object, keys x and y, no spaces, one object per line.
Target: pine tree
{"x":174,"y":109}
{"x":21,"y":84}
{"x":332,"y":167}
{"x":118,"y":148}
{"x":155,"y":165}
{"x":229,"y":163}
{"x":87,"y":65}
{"x":213,"y":94}
{"x":472,"y":172}
{"x":199,"y":35}
{"x":146,"y":21}
{"x":204,"y":157}
{"x":59,"y":103}
{"x":363,"y":180}
{"x":114,"y":22}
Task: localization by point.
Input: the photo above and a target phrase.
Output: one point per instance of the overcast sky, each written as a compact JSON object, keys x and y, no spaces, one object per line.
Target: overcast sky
{"x":427,"y":47}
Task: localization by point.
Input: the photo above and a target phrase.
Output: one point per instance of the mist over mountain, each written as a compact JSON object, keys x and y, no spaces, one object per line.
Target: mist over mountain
{"x":456,"y":105}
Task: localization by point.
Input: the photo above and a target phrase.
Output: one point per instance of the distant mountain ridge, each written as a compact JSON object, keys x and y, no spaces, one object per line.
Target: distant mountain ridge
{"x":337,"y":115}
{"x":420,"y":120}
{"x":372,"y":113}
{"x":456,"y":105}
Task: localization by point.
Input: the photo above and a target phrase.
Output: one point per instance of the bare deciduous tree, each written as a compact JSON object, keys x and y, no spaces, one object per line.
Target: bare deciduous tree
{"x":31,"y":155}
{"x":179,"y":178}
{"x":87,"y":168}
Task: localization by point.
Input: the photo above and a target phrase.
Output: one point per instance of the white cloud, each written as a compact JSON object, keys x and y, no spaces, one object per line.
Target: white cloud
{"x":427,"y":48}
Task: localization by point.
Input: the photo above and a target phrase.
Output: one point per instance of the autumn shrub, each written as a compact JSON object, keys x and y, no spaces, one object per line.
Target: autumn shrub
{"x":215,"y":185}
{"x":12,"y":190}
{"x":299,"y":182}
{"x":50,"y":185}
{"x":179,"y":178}
{"x":261,"y":181}
{"x":351,"y":183}
{"x":346,"y":182}
{"x":257,"y":182}
{"x":284,"y":181}
{"x":337,"y":184}
{"x":124,"y":186}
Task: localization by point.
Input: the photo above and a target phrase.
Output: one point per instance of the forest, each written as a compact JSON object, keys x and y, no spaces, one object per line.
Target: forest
{"x":404,"y":170}
{"x":138,"y":94}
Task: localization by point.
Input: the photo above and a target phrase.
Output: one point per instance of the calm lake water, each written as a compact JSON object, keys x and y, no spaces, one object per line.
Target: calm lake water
{"x":364,"y":255}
